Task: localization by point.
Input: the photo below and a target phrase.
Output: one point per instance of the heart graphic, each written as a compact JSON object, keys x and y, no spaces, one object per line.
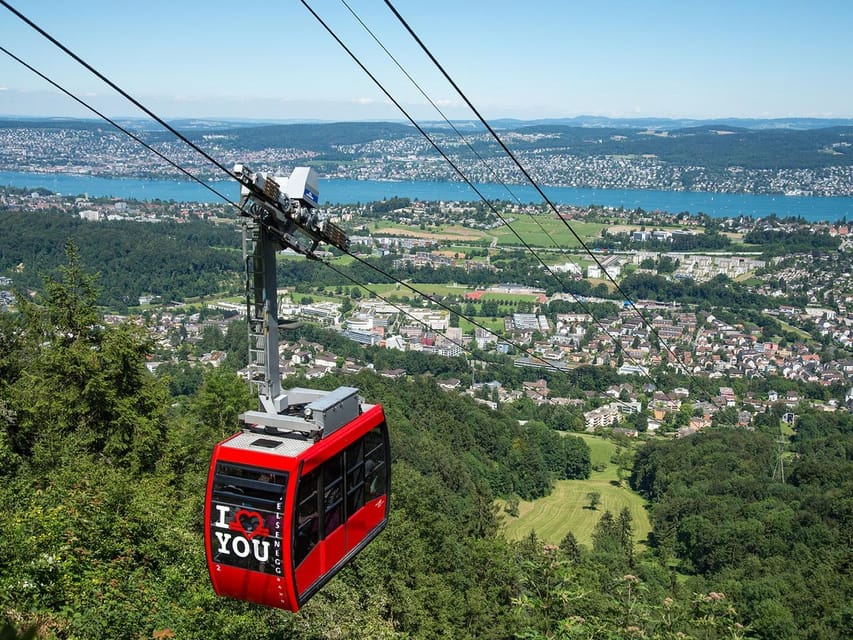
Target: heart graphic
{"x":249,"y":523}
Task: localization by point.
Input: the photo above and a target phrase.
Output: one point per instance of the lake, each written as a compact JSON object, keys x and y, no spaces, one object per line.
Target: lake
{"x":351,"y":191}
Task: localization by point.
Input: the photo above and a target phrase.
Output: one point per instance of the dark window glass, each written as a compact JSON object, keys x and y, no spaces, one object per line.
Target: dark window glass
{"x":329,"y":495}
{"x":366,"y":470}
{"x":374,"y":464}
{"x":333,"y":494}
{"x":246,"y":510}
{"x":355,"y":476}
{"x":307,"y":530}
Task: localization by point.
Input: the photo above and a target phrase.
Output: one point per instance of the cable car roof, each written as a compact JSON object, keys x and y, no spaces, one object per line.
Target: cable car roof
{"x":279,"y":445}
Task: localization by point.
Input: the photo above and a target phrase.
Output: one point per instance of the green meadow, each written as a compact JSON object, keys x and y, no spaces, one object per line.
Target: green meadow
{"x":512,"y":297}
{"x":494,"y":324}
{"x":567,"y":508}
{"x":546,"y":232}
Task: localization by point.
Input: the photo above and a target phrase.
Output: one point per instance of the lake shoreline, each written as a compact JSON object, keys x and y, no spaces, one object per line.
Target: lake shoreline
{"x":346,"y":191}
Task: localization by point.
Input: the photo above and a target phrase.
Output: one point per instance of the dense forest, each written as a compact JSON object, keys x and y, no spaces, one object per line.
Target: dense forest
{"x":168,"y":260}
{"x":720,"y":291}
{"x":710,"y":240}
{"x":779,"y":243}
{"x":173,"y":261}
{"x":783,"y":549}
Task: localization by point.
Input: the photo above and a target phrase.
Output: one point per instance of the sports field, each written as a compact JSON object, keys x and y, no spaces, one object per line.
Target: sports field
{"x":546,"y":232}
{"x":449,"y":233}
{"x":567,"y":508}
{"x":495,"y":324}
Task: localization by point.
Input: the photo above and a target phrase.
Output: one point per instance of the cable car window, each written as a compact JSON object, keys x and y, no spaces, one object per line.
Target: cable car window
{"x":246,"y":517}
{"x":355,"y":477}
{"x":333,"y":494}
{"x":307,"y":532}
{"x":374,"y":463}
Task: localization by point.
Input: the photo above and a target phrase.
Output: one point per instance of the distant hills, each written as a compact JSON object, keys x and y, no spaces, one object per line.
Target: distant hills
{"x":713,"y":146}
{"x":670,"y":124}
{"x":593,"y":122}
{"x":716,"y":145}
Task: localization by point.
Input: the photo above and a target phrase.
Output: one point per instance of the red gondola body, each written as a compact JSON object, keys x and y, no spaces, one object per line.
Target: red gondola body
{"x":284,"y":513}
{"x":304,"y":486}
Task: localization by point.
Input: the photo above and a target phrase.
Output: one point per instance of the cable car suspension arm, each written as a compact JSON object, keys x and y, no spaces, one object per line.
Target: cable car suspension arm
{"x":287,"y":208}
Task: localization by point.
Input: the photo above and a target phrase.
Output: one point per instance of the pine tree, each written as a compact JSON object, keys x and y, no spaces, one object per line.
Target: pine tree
{"x":84,"y":387}
{"x":569,"y":545}
{"x":626,"y":533}
{"x":605,"y":535}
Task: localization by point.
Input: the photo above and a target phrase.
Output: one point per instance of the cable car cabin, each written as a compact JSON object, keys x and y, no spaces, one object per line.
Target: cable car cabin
{"x":293,"y":497}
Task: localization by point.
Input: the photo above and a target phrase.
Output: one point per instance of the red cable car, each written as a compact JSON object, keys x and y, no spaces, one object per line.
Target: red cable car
{"x":304,"y":486}
{"x":286,"y":510}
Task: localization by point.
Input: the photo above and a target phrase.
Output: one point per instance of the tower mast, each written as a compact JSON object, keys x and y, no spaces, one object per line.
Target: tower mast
{"x":280,"y":213}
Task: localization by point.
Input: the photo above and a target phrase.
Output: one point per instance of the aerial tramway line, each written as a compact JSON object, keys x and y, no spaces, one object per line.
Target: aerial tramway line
{"x":304,"y":485}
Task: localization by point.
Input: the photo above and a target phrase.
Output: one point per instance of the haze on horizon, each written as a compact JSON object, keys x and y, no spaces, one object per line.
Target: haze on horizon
{"x":514,"y":60}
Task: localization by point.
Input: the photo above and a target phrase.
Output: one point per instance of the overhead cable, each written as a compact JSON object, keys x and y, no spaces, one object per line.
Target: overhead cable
{"x":118,"y":126}
{"x":455,"y":167}
{"x":118,"y":89}
{"x":464,"y":139}
{"x":494,"y":174}
{"x":267,"y":226}
{"x":527,"y":175}
{"x":230,"y":173}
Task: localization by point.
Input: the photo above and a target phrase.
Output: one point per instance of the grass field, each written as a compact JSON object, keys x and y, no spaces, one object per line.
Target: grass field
{"x":788,"y":327}
{"x":452,"y":233}
{"x":597,"y":281}
{"x":441,"y":290}
{"x":600,"y":452}
{"x":566,"y":509}
{"x":521,"y":297}
{"x":495,"y":324}
{"x":534,"y":235}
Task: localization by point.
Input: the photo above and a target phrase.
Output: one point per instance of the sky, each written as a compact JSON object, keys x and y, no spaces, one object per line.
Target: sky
{"x":525,"y":60}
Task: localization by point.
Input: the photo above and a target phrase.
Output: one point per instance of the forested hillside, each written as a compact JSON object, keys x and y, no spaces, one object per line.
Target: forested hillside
{"x":165,"y":259}
{"x":324,"y":138}
{"x":782,"y":549}
{"x":711,"y":145}
{"x":173,"y":261}
{"x":102,"y":479}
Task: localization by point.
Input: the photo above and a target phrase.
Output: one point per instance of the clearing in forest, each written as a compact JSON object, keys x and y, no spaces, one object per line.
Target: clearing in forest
{"x":567,"y":508}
